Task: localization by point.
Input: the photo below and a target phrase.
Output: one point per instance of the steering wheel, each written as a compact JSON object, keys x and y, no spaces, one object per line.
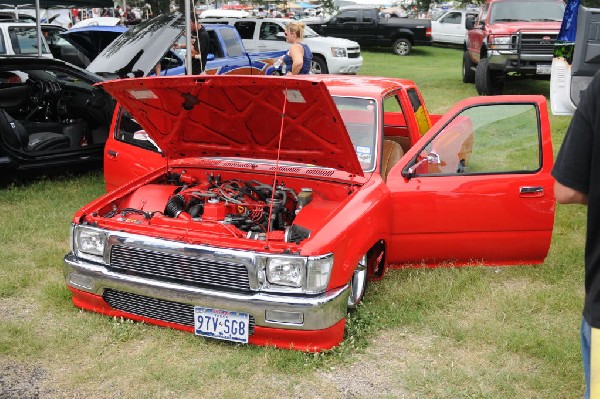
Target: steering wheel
{"x":38,"y":93}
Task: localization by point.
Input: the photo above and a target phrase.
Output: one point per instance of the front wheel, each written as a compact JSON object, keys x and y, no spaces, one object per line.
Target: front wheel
{"x":487,"y":81}
{"x":358,"y":283}
{"x":318,"y":65}
{"x":371,"y":266}
{"x":402,"y":47}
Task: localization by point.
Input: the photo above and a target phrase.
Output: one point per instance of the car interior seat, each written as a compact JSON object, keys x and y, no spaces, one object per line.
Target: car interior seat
{"x":392,"y":152}
{"x":16,"y":136}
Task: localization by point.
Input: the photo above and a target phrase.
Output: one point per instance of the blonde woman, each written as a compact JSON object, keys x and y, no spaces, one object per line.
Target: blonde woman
{"x":299,"y":57}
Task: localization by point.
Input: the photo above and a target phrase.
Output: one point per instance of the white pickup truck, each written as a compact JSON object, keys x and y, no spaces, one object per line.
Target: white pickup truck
{"x":330,"y":54}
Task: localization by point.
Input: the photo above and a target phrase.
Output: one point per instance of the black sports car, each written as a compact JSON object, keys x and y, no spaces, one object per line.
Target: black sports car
{"x":50,"y":115}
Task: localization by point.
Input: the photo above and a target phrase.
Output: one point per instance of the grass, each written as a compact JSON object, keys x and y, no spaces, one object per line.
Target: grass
{"x":420,"y":333}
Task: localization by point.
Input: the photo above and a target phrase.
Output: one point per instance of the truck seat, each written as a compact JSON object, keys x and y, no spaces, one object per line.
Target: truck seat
{"x":392,"y":152}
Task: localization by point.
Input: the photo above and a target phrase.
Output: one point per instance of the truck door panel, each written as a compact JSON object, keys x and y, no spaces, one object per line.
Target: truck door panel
{"x":487,"y":198}
{"x":128,"y":153}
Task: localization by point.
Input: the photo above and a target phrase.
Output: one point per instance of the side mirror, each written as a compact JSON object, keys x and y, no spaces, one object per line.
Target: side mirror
{"x":432,"y":159}
{"x":210,"y":57}
{"x":280,"y":35}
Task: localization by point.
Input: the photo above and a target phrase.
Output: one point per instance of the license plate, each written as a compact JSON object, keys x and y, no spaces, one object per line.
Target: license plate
{"x":221,"y":324}
{"x":543,"y":69}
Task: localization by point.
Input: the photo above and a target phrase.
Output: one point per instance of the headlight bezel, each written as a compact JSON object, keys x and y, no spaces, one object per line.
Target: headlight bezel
{"x":315,"y":273}
{"x":286,"y":271}
{"x":502,"y":43}
{"x":89,"y":243}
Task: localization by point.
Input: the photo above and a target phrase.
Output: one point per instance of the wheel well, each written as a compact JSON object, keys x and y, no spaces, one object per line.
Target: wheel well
{"x":407,"y":37}
{"x":483,"y":52}
{"x":376,"y":261}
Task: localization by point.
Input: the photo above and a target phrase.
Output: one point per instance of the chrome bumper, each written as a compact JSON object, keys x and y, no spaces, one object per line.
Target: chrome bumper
{"x":318,"y":311}
{"x":502,"y":60}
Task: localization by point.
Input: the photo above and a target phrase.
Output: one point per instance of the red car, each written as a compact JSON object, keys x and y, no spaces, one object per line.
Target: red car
{"x":273,"y":201}
{"x":510,"y":39}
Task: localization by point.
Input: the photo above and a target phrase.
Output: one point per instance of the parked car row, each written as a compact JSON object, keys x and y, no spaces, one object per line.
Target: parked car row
{"x":330,"y":54}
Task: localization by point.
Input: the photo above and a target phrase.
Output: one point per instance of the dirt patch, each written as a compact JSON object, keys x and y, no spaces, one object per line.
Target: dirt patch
{"x":19,"y":380}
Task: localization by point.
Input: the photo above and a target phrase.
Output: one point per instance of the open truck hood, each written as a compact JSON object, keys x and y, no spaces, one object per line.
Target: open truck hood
{"x":240,"y":116}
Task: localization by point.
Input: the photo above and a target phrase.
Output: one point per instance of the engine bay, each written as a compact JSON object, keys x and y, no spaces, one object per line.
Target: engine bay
{"x":267,"y":209}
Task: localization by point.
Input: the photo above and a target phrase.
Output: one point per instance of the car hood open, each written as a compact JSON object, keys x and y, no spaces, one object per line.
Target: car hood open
{"x":240,"y":116}
{"x":140,"y":48}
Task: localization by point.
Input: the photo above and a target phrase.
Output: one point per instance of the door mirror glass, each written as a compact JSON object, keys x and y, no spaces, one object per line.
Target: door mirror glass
{"x":485,"y":139}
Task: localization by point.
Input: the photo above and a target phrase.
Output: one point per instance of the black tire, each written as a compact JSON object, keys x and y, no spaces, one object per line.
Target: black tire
{"x":402,"y":47}
{"x":487,"y":81}
{"x":468,"y":72}
{"x":318,"y":65}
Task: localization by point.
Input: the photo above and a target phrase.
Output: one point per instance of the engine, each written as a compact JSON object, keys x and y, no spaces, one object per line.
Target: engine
{"x":247,"y":208}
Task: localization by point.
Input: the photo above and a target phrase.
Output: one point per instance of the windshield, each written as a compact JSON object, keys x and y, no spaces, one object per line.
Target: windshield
{"x":528,"y":11}
{"x":360,"y":118}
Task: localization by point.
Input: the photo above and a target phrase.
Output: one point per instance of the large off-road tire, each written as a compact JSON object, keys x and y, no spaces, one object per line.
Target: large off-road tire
{"x":402,"y":47}
{"x":487,"y":81}
{"x":318,"y":65}
{"x":468,"y":72}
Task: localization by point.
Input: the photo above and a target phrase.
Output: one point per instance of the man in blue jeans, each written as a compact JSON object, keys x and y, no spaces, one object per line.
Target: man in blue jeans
{"x":577,"y":174}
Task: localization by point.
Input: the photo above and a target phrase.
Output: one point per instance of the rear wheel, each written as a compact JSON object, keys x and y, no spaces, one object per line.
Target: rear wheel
{"x":468,"y":74}
{"x":487,"y":82}
{"x":318,"y":65}
{"x":402,"y":47}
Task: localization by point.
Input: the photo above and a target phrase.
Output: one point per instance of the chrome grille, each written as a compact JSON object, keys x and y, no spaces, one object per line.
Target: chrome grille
{"x":153,"y":308}
{"x":184,"y":269}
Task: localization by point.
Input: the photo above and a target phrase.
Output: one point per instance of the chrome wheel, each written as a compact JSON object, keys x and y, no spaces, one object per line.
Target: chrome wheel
{"x":318,"y":65}
{"x":402,"y":47}
{"x":358,"y":283}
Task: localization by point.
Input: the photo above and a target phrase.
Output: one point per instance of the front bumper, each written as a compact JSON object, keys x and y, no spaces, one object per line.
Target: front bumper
{"x":318,"y":319}
{"x":512,"y":62}
{"x":348,"y":66}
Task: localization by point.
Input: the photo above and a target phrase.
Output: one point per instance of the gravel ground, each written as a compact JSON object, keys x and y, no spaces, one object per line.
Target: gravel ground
{"x":19,"y":380}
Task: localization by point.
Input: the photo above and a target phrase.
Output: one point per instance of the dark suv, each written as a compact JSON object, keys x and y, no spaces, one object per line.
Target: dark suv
{"x":510,"y":39}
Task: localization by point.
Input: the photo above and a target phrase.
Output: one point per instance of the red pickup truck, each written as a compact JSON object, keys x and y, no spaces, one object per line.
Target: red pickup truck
{"x":265,"y":205}
{"x":510,"y":39}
